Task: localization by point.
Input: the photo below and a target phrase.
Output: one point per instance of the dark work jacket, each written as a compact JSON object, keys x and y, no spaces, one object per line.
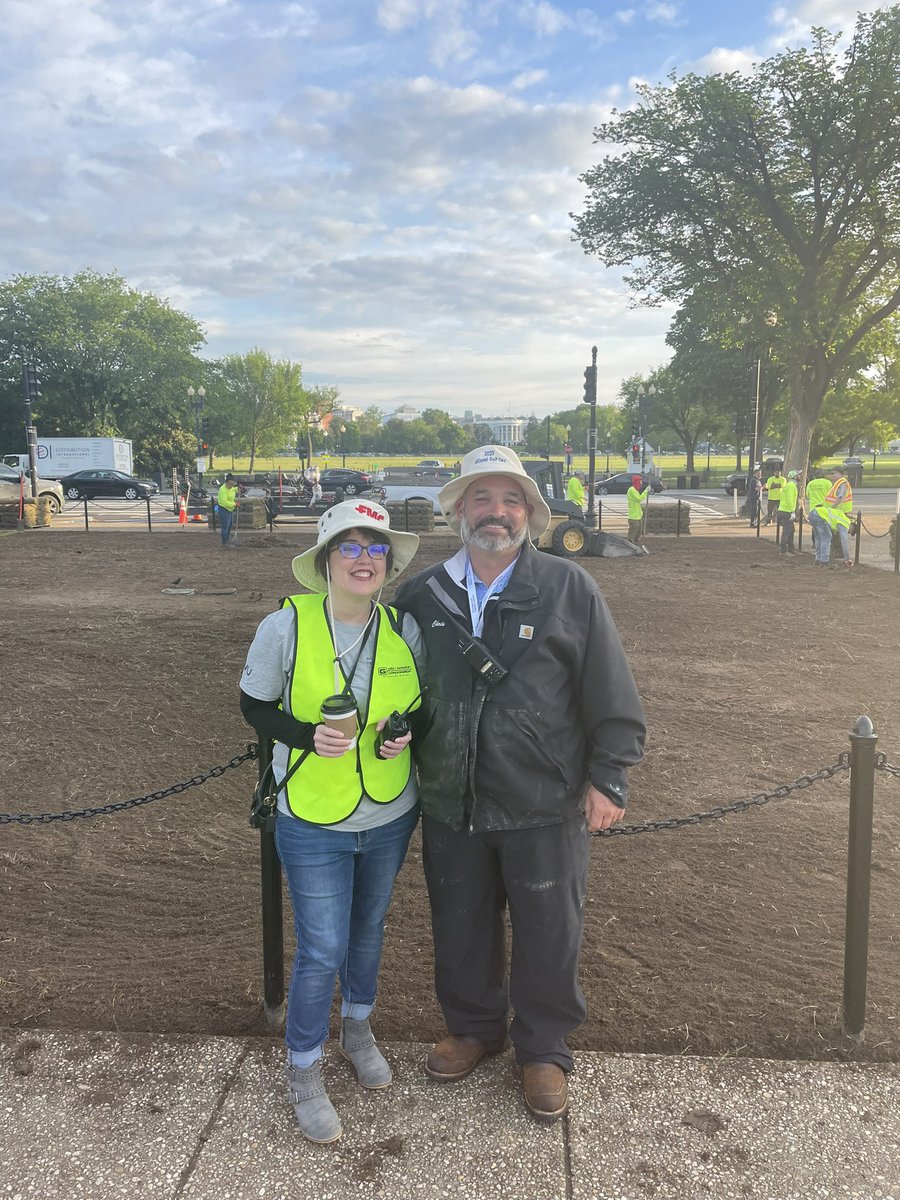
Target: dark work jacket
{"x":519,"y":754}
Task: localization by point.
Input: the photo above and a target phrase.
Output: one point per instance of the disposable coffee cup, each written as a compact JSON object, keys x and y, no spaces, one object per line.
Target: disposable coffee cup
{"x":339,"y":712}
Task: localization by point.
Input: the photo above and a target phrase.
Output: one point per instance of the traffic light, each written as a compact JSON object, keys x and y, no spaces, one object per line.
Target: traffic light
{"x":32,"y":383}
{"x":590,"y":385}
{"x":204,"y":429}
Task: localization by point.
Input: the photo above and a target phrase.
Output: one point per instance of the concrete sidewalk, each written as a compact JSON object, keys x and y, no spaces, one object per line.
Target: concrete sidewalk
{"x":104,"y":1115}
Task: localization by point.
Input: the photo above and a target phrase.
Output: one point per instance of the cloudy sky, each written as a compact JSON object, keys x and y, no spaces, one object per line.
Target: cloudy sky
{"x":377,"y":190}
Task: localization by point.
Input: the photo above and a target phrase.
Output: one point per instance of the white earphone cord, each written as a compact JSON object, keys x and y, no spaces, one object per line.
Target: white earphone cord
{"x":339,"y":654}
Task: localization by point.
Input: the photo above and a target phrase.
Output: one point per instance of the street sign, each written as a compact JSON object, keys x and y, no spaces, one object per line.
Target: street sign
{"x":201,"y":465}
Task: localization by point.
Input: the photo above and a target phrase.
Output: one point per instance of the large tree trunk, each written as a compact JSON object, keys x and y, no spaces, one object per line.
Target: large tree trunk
{"x":808,"y":388}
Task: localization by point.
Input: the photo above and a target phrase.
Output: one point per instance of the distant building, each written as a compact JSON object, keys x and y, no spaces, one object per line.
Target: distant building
{"x":405,"y":412}
{"x":506,"y":431}
{"x":346,"y":412}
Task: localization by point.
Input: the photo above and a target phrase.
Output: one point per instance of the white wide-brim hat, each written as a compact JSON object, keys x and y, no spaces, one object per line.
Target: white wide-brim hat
{"x":354,"y":514}
{"x":494,"y":460}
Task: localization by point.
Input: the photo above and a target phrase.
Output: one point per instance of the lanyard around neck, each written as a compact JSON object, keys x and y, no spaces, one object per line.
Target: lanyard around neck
{"x":476,"y":607}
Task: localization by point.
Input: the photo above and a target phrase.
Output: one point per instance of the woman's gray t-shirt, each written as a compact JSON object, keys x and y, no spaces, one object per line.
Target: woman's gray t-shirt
{"x":266,"y":676}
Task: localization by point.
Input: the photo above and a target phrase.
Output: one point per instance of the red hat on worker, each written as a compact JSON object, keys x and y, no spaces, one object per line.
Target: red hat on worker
{"x":636,"y":481}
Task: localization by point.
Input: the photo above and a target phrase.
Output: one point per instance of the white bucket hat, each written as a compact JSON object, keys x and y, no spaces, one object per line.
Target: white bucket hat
{"x":354,"y":514}
{"x":494,"y":460}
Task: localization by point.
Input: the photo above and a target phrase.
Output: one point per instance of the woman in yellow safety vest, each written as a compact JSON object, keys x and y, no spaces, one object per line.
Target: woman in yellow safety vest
{"x":347,"y":798}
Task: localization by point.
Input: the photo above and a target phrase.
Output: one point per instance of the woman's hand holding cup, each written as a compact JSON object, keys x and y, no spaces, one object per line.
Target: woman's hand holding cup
{"x":331,"y":743}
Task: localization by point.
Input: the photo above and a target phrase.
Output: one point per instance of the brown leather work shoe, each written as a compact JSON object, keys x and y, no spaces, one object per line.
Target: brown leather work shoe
{"x":546,"y":1090}
{"x":455,"y":1057}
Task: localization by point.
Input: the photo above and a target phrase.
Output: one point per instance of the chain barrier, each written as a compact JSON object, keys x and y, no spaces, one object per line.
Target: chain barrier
{"x":714,"y":814}
{"x":251,"y":753}
{"x":863,"y":525}
{"x":121,"y":805}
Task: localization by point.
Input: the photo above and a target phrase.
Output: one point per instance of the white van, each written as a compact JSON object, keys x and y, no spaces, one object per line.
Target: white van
{"x":894,"y":446}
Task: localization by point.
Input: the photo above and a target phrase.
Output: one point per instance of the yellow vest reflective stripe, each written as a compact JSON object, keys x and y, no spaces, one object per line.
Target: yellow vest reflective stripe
{"x":834,"y":516}
{"x":327,"y":790}
{"x":774,"y":484}
{"x":846,"y":504}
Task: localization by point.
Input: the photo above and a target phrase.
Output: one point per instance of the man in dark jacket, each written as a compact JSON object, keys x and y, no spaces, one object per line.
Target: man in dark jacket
{"x":531,"y":721}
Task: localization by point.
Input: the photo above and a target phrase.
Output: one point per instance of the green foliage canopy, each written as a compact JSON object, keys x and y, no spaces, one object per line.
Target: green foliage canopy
{"x":777,"y":191}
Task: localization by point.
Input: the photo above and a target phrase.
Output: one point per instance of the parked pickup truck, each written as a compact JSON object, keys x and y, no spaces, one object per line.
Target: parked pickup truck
{"x":406,"y":491}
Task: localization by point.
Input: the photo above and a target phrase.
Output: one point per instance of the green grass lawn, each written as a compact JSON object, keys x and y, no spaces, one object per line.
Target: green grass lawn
{"x":886,"y":474}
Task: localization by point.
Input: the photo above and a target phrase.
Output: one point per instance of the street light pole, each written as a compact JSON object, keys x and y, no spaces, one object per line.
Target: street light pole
{"x":608,"y":436}
{"x":343,"y":445}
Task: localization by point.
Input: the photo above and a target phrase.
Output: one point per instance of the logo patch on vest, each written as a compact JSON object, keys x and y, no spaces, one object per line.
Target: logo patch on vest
{"x":526,"y":632}
{"x":393,"y":671}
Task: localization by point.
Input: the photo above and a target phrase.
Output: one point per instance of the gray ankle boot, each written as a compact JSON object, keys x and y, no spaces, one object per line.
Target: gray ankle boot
{"x":358,"y":1044}
{"x":314,"y":1111}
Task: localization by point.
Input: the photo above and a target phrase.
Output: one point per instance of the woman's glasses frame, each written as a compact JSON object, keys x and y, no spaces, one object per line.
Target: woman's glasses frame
{"x":377,"y":550}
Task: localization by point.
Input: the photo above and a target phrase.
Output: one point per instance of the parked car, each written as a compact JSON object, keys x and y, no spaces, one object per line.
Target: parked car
{"x":430,"y":464}
{"x":93,"y":483}
{"x":736,"y":482}
{"x":349,"y":481}
{"x":618,"y":485}
{"x":9,"y":488}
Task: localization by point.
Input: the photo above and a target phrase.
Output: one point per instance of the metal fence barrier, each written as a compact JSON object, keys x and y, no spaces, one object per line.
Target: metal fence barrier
{"x":862,"y":762}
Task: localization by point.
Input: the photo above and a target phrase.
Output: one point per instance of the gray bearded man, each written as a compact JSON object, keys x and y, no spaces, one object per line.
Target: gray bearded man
{"x":531,"y":722}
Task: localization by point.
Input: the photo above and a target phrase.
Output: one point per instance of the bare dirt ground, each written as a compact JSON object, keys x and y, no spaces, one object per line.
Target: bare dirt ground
{"x":717,"y":939}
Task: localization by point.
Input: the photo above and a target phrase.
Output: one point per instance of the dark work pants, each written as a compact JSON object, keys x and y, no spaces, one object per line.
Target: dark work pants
{"x":541,"y":876}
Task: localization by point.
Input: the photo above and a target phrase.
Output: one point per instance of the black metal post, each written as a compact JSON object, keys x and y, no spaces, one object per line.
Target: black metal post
{"x":592,"y":518}
{"x":272,"y":914}
{"x":858,"y":538}
{"x":86,"y":523}
{"x":678,"y":519}
{"x":863,"y":741}
{"x":149,"y":522}
{"x":799,"y":529}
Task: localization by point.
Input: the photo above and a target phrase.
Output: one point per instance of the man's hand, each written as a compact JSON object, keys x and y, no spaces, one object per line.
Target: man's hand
{"x":599,"y":810}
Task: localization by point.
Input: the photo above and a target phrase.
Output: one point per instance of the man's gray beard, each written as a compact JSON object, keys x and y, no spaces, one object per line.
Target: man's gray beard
{"x":483,"y":541}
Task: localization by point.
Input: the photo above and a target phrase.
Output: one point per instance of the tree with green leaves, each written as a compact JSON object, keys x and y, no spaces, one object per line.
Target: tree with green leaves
{"x":776,"y":190}
{"x":112,"y":361}
{"x":261,"y":399}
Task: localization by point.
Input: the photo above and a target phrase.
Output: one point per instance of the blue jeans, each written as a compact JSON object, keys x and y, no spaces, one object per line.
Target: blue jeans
{"x":226,"y":517}
{"x":821,"y":532}
{"x":340,"y":885}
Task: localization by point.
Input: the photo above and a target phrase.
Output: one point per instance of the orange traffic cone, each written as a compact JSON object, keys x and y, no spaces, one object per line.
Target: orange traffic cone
{"x":182,"y":512}
{"x":197,"y":517}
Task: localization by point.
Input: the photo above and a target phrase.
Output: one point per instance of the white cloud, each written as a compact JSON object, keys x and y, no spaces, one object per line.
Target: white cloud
{"x":546,"y":19}
{"x":527,"y":79}
{"x":723,"y":62}
{"x":665,"y":14}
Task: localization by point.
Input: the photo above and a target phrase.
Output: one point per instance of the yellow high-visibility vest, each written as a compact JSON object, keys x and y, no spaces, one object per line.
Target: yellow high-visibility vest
{"x":324,"y":791}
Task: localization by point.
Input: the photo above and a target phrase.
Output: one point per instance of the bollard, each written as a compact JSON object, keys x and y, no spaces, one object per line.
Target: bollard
{"x":678,"y":519}
{"x":272,"y":917}
{"x":149,"y":522}
{"x":87,"y":526}
{"x":858,"y":538}
{"x":863,"y":741}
